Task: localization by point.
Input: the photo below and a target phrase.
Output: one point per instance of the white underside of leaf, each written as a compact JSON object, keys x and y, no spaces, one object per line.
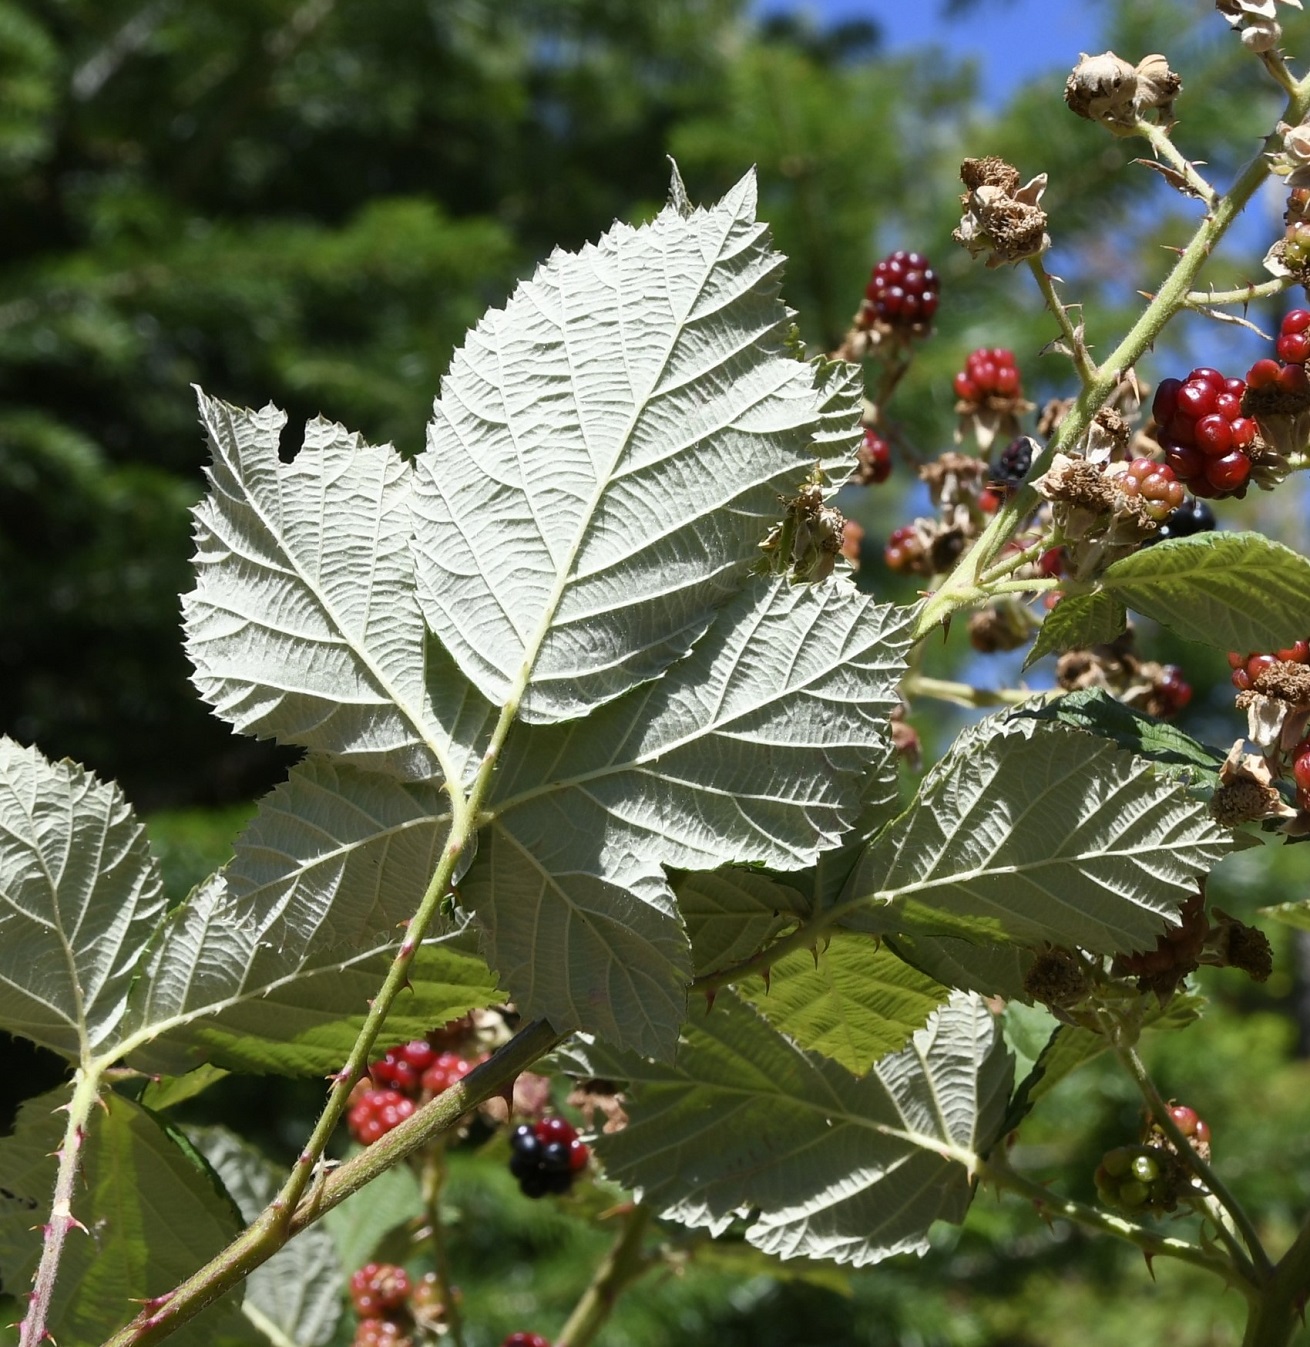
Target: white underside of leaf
{"x":607,"y":453}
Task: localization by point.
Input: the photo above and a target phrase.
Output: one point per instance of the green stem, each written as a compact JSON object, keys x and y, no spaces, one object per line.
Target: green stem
{"x":34,"y":1329}
{"x":962,"y":587}
{"x":1082,"y":361}
{"x":1280,"y":1309}
{"x":269,"y":1232}
{"x":962,"y":694}
{"x":998,"y":1171}
{"x":1213,"y":1183}
{"x":1165,"y":149}
{"x":624,"y":1263}
{"x":433,"y":1181}
{"x":1264,"y":290}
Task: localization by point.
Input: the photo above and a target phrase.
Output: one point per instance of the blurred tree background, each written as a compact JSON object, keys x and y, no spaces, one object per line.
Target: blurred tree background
{"x":309,"y":201}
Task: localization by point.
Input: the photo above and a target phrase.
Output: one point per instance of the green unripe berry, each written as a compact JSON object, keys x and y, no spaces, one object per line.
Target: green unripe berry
{"x":1118,"y":1162}
{"x":1133,"y":1194}
{"x":1145,"y":1169}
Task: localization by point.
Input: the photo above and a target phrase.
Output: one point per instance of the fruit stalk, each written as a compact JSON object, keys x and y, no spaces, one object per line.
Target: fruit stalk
{"x":624,"y":1263}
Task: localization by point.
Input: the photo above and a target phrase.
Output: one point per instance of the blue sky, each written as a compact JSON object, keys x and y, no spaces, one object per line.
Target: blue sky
{"x":1009,"y":39}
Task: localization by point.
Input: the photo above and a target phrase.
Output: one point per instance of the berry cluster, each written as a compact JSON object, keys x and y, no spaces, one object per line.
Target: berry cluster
{"x":546,"y":1157}
{"x":1011,"y":465}
{"x":989,"y":372}
{"x":1170,"y":693}
{"x":1206,"y":438}
{"x":1247,"y":668}
{"x":905,"y":550}
{"x":1137,"y":1177}
{"x":405,"y":1075}
{"x":875,"y":459}
{"x":902,"y":292}
{"x":525,"y":1340}
{"x":1154,"y":484}
{"x":390,"y":1306}
{"x":1293,"y":343}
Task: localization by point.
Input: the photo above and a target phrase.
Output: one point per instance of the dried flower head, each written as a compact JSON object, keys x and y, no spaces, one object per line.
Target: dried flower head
{"x":1001,"y":219}
{"x":1107,"y":89}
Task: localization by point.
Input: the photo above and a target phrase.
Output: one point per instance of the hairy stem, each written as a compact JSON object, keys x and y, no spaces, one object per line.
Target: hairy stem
{"x":996,"y":1169}
{"x":1165,"y":149}
{"x":624,"y":1263}
{"x":270,"y":1231}
{"x":1209,"y":299}
{"x":962,"y":587}
{"x":433,"y":1181}
{"x":962,"y":694}
{"x":86,"y":1094}
{"x":1082,"y":361}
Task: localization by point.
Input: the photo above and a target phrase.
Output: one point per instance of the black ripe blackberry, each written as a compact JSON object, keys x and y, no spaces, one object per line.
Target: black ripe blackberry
{"x":1012,"y":464}
{"x":1192,"y":516}
{"x":546,"y":1157}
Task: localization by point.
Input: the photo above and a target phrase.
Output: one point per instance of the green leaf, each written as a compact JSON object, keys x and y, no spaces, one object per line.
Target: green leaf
{"x":731,"y":913}
{"x":1096,"y":712}
{"x":215,"y":988}
{"x":753,"y":748}
{"x":1034,"y":833}
{"x":1232,"y":591}
{"x":855,"y":1003}
{"x":165,"y":1092}
{"x":989,"y":970}
{"x":154,"y":1213}
{"x":607,"y":453}
{"x":79,"y":897}
{"x":304,"y":624}
{"x":1078,"y":621}
{"x":830,"y":1165}
{"x":298,"y":1291}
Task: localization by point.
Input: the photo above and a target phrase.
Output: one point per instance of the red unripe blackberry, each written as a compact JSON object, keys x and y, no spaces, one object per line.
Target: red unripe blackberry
{"x":376,"y":1112}
{"x":378,"y":1289}
{"x":1202,"y":430}
{"x":371,"y":1332}
{"x":446,"y":1069}
{"x":525,"y":1340}
{"x":1293,"y":342}
{"x":400,"y":1067}
{"x":902,"y":290}
{"x":989,"y":372}
{"x":1172,"y":691}
{"x":875,"y":459}
{"x":1262,"y":374}
{"x":1155,"y":484}
{"x":1301,"y":773}
{"x":904,"y":549}
{"x":1247,"y":668}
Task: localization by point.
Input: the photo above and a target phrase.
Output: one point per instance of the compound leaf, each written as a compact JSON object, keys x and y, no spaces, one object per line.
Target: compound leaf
{"x":1031,"y":832}
{"x":829,"y":1165}
{"x":607,"y":453}
{"x":1233,"y":591}
{"x":80,"y":895}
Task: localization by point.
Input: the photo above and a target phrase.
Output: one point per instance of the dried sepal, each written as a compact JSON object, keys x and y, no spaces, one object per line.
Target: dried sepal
{"x":1108,"y":90}
{"x":1001,"y":219}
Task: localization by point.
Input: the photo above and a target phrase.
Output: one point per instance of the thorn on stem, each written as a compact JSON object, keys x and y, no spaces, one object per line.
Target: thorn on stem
{"x":710,"y":994}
